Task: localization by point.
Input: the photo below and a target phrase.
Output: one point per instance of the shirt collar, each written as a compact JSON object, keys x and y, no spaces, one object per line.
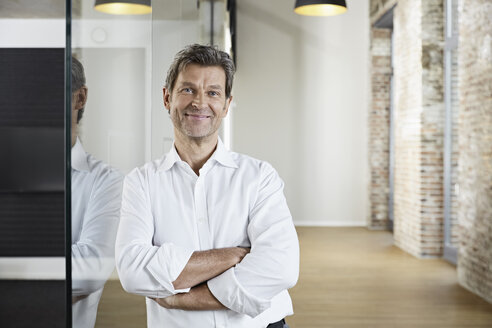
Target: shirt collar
{"x":79,"y":157}
{"x":221,"y":155}
{"x":171,"y":157}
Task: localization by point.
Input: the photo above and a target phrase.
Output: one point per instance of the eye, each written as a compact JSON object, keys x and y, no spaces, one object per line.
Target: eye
{"x":187,"y":90}
{"x":213,"y":93}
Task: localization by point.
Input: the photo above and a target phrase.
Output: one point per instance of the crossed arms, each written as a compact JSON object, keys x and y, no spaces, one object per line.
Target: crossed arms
{"x":202,"y":266}
{"x":232,"y":278}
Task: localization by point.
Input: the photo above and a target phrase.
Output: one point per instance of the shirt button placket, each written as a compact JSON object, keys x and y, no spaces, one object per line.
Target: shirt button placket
{"x":201,"y":214}
{"x":220,"y":319}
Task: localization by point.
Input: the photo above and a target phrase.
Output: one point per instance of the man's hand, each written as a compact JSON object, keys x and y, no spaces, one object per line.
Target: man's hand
{"x":205,"y":265}
{"x":199,"y":298}
{"x":167,"y":302}
{"x":242,"y":251}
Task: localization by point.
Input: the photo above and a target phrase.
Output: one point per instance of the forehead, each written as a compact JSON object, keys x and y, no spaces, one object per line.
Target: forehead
{"x":198,"y":74}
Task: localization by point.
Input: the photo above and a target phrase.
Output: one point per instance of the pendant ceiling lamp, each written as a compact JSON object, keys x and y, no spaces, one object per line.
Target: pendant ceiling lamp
{"x":123,"y":7}
{"x":320,"y":7}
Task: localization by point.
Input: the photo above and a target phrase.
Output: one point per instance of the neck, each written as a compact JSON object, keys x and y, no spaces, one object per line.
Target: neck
{"x":74,"y":134}
{"x":195,"y":151}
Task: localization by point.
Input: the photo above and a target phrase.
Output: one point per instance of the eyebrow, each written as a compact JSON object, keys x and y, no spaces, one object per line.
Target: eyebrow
{"x":190,"y":84}
{"x":187,"y":84}
{"x":215,"y":86}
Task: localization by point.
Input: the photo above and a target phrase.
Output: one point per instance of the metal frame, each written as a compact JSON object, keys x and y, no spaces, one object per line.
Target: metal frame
{"x":451,"y":44}
{"x":68,"y":162}
{"x":391,"y":177}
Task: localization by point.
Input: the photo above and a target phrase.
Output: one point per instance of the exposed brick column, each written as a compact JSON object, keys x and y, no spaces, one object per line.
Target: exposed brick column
{"x":432,"y":133}
{"x":408,"y":107}
{"x":475,"y":147}
{"x":379,"y":127}
{"x":419,"y":123}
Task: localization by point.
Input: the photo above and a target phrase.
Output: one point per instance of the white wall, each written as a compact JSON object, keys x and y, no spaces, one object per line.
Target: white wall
{"x":117,"y":59}
{"x":32,"y":33}
{"x":113,"y":126}
{"x":301,"y":93}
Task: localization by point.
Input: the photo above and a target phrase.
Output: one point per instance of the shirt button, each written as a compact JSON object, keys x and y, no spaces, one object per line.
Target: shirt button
{"x":200,"y":220}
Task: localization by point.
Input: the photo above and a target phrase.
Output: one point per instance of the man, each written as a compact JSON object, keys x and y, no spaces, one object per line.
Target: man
{"x":205,"y":234}
{"x":96,"y":200}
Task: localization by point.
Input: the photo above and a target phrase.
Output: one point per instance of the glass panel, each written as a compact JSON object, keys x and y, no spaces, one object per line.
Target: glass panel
{"x":111,"y":78}
{"x":32,"y":184}
{"x":119,"y":123}
{"x":124,"y":125}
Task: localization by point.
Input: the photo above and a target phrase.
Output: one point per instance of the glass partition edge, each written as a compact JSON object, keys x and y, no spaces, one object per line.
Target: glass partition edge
{"x":68,"y":163}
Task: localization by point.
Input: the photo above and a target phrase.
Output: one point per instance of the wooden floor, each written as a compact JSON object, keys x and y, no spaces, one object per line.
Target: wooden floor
{"x":351,"y":277}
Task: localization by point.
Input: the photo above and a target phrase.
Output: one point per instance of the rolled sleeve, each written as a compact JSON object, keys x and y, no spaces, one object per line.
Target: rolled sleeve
{"x":227,"y":289}
{"x":150,"y":270}
{"x":144,"y":268}
{"x":166,"y":265}
{"x":272,"y":266}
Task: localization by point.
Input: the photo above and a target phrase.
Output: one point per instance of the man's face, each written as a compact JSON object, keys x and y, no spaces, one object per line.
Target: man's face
{"x":198,"y":103}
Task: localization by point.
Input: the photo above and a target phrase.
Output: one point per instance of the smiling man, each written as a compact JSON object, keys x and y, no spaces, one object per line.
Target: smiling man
{"x":205,"y":233}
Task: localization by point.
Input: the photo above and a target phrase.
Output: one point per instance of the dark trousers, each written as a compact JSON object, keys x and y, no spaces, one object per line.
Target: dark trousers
{"x":278,"y":324}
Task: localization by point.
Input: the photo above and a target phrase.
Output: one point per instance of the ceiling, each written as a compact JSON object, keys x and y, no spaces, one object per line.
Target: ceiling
{"x":35,"y":9}
{"x":162,"y":9}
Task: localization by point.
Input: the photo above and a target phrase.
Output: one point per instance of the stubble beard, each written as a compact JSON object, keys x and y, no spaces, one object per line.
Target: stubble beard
{"x":193,"y":132}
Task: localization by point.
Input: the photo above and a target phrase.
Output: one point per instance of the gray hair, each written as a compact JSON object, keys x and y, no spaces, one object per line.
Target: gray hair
{"x":203,"y":56}
{"x":78,"y":81}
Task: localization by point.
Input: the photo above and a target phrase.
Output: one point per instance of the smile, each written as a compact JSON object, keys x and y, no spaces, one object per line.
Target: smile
{"x":197,"y":117}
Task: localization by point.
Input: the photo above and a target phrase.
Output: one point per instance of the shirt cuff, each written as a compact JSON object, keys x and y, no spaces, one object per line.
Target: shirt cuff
{"x":232,"y":295}
{"x":166,"y":265}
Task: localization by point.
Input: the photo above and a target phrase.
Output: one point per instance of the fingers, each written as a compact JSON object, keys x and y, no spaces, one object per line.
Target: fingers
{"x":243,"y":251}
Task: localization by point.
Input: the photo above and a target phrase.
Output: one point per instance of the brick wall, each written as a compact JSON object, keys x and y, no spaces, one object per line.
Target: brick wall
{"x":408,"y":125}
{"x":454,"y":240}
{"x":432,"y":133}
{"x":379,"y":127}
{"x":452,"y":15}
{"x":475,"y":147}
{"x":419,"y":123}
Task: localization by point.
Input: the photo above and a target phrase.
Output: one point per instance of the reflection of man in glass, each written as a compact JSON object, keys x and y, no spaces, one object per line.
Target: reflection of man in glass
{"x":96,"y":199}
{"x":206,"y":233}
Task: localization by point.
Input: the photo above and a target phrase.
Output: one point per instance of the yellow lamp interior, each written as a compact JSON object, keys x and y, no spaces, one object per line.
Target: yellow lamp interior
{"x":120,"y":8}
{"x":320,"y":10}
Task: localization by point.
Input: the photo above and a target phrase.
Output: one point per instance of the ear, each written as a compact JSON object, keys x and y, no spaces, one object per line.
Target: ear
{"x":167,"y":98}
{"x":227,"y":104}
{"x":80,"y":98}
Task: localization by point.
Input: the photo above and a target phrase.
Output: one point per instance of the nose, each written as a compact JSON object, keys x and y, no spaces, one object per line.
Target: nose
{"x":198,"y":101}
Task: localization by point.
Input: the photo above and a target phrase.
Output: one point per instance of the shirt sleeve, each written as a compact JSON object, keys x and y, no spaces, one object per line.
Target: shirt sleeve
{"x":93,"y":253}
{"x":273,"y":262}
{"x":143,"y":268}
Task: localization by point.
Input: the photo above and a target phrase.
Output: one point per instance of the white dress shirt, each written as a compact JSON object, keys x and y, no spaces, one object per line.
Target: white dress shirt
{"x":168,"y":212}
{"x":96,"y":200}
